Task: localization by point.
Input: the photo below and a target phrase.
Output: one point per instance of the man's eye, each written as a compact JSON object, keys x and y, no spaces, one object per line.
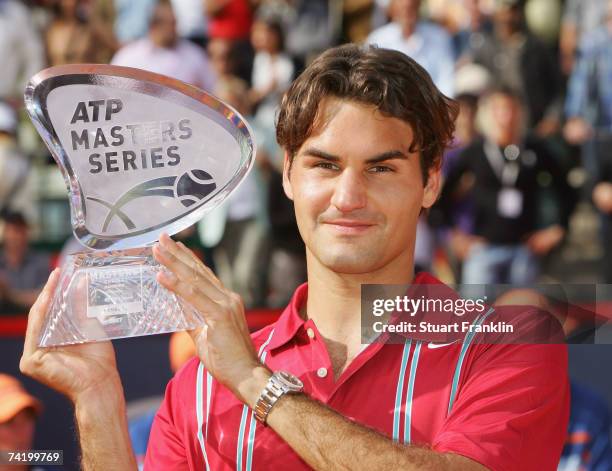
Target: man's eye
{"x":326,"y":165}
{"x":380,"y":169}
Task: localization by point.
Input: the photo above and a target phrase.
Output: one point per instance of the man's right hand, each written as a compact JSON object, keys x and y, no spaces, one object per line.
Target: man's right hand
{"x":577,"y":130}
{"x":87,"y":374}
{"x":73,"y":370}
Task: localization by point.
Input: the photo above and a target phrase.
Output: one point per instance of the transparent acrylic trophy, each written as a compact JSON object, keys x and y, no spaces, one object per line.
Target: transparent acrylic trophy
{"x":141,"y":154}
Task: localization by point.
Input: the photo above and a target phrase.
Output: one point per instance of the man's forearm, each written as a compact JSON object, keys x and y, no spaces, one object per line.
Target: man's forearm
{"x":328,"y":441}
{"x":103,"y":431}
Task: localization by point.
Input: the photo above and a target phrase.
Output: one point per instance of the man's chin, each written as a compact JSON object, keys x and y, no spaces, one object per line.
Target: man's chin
{"x":351,"y":263}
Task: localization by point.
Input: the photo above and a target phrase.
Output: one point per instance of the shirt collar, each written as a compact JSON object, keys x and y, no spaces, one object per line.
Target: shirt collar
{"x":290,"y":321}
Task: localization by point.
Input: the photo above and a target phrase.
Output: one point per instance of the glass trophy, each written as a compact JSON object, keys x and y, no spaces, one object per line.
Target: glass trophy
{"x":141,"y":154}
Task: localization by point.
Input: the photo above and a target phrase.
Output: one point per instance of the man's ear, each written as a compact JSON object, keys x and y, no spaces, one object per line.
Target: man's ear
{"x":286,"y":181}
{"x":432,"y":189}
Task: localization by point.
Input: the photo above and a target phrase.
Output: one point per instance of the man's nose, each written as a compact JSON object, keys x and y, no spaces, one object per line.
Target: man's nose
{"x":349,"y":191}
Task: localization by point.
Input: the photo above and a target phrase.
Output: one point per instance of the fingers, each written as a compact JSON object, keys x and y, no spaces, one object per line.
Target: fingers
{"x":192,"y":294}
{"x":186,"y":267}
{"x":172,"y":247}
{"x":38,"y":312}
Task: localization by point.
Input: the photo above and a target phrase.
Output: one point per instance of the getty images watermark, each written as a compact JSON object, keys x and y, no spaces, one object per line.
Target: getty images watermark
{"x":439,"y":314}
{"x":411,"y":307}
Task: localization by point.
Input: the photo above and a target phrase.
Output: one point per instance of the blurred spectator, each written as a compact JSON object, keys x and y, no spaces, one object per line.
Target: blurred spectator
{"x":588,"y":106}
{"x":163,"y":52}
{"x":428,"y":44}
{"x":70,"y":38}
{"x":18,"y":413}
{"x":587,"y":446}
{"x":21,"y":49}
{"x":471,"y":28}
{"x":231,"y":20}
{"x":518,"y":60}
{"x":311,"y":26}
{"x":272,"y":70}
{"x":23,"y":272}
{"x":602,"y":197}
{"x":223,"y":57}
{"x":191,"y":20}
{"x":132,"y":18}
{"x":511,"y":171}
{"x":579,"y":17}
{"x":237,"y":228}
{"x":14,"y":166}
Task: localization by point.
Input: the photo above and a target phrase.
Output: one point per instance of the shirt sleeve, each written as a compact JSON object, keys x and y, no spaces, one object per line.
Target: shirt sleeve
{"x":168,"y":447}
{"x":512,"y":407}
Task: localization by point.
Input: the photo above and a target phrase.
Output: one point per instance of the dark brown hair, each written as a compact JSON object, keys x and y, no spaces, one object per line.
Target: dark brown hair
{"x":391,"y":81}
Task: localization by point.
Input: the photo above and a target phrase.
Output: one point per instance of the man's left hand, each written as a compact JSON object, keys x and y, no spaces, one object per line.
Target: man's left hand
{"x":543,"y":241}
{"x":223,"y":345}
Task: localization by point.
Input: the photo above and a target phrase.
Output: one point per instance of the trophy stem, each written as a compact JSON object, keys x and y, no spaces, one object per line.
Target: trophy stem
{"x":105,"y":295}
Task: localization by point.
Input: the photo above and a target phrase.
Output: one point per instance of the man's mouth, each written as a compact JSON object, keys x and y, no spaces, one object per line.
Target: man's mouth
{"x":348,"y":226}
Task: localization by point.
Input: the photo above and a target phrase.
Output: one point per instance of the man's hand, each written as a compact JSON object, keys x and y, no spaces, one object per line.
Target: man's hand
{"x":88,"y":375}
{"x":223,"y":344}
{"x":602,"y":196}
{"x":74,"y":370}
{"x":543,"y":241}
{"x":577,"y":130}
{"x":461,"y":243}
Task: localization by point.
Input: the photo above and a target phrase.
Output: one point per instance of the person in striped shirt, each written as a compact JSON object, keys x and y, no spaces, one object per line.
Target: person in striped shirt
{"x":363,"y":130}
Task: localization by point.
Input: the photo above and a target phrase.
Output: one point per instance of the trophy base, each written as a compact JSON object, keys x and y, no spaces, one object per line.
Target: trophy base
{"x":111,"y":295}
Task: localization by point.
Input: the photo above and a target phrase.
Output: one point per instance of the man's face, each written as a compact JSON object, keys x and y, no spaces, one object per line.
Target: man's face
{"x":219,"y":53}
{"x":505,"y":114}
{"x":405,"y":12}
{"x":164,"y":29}
{"x":508,"y":17}
{"x":357,"y":190}
{"x":15,"y":239}
{"x":18,"y":432}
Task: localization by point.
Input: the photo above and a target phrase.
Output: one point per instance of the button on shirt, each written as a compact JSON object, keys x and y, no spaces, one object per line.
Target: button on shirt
{"x":430,"y":46}
{"x":504,"y":406}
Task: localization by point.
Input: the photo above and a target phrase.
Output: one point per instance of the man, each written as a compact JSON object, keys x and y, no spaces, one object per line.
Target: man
{"x":18,"y":412}
{"x":588,"y":109}
{"x":517,"y":59}
{"x":363,"y":131}
{"x":588,"y":106}
{"x":16,"y":188}
{"x":22,"y":271}
{"x":163,"y":52}
{"x":428,"y":44}
{"x":579,"y":17}
{"x":513,"y":177}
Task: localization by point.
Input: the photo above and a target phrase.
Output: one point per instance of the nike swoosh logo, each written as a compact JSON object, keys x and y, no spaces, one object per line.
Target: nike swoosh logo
{"x":439,"y":345}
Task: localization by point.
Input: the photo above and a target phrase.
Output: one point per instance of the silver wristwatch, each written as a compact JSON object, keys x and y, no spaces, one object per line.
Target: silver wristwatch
{"x":279,"y":384}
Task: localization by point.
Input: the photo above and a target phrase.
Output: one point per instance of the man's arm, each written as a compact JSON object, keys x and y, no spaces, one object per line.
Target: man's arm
{"x":323,"y":438}
{"x":328,"y":441}
{"x":88,"y":375}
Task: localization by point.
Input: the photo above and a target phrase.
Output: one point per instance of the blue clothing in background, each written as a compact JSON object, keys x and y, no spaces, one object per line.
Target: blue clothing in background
{"x":587,"y":446}
{"x":589,"y":94}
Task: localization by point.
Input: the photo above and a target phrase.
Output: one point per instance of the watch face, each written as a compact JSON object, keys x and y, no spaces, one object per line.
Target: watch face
{"x":292,"y":382}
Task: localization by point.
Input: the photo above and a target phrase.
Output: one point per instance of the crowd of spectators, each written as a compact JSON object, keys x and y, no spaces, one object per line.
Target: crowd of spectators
{"x":533,"y":79}
{"x":533,"y":140}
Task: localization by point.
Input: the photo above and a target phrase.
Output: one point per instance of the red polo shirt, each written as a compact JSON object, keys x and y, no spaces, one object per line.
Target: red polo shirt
{"x":504,"y":406}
